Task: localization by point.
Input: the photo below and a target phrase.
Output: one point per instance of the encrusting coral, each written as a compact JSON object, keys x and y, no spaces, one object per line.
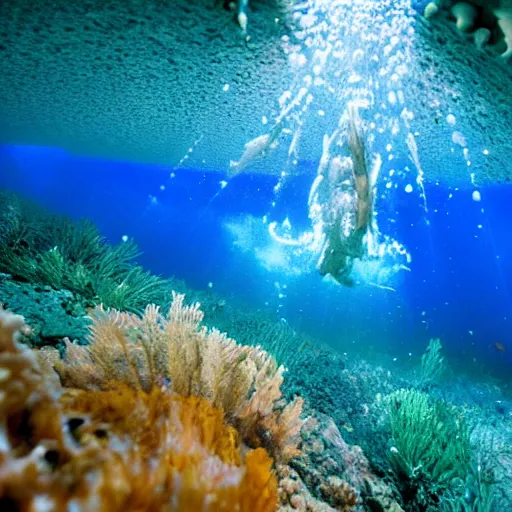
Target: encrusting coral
{"x":156,"y":414}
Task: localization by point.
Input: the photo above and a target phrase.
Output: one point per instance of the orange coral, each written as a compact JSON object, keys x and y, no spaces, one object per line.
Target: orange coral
{"x":121,"y":448}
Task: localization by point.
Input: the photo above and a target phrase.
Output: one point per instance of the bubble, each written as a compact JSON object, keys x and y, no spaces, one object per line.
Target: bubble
{"x":458,"y":138}
{"x":451,"y":120}
{"x":476,"y":196}
{"x":297,"y":59}
{"x":408,"y":188}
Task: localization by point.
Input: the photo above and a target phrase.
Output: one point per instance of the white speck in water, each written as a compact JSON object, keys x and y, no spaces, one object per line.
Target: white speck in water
{"x":408,"y":188}
{"x":223,"y":183}
{"x":124,"y":238}
{"x":264,"y":120}
{"x":476,"y":196}
{"x":226,"y":88}
{"x":458,"y":138}
{"x":450,"y":119}
{"x":210,"y":285}
{"x":162,"y":187}
{"x":485,"y":152}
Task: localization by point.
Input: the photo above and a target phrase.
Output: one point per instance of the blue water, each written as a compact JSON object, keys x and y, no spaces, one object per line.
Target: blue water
{"x":459,"y":287}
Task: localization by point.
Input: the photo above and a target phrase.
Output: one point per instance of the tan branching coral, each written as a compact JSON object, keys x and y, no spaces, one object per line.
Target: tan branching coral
{"x":145,"y":351}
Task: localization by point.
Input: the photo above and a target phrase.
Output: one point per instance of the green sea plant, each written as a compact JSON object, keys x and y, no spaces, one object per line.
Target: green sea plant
{"x":432,"y":362}
{"x":476,"y":493}
{"x":43,"y":248}
{"x":430,"y":447}
{"x":279,"y":339}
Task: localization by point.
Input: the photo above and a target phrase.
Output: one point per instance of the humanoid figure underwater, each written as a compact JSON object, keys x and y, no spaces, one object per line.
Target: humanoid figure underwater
{"x":341,"y":202}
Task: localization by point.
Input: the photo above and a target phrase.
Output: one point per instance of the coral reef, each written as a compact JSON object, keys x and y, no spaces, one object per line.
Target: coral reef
{"x":126,"y":440}
{"x":121,"y":449}
{"x":239,"y":405}
{"x":71,"y":427}
{"x":159,"y":413}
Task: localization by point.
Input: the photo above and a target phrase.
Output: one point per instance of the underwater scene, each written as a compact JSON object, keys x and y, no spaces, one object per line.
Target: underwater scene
{"x":255,"y":255}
